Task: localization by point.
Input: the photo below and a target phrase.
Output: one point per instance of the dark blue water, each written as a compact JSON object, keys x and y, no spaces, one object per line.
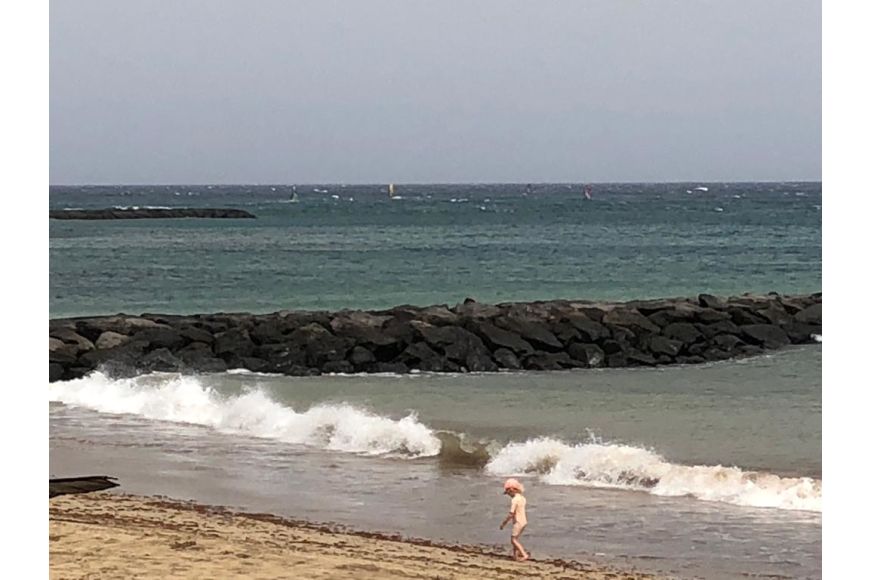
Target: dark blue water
{"x":352,"y":246}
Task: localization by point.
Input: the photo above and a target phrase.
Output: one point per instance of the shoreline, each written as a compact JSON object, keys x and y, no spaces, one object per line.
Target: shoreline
{"x":125,"y":535}
{"x":468,"y":337}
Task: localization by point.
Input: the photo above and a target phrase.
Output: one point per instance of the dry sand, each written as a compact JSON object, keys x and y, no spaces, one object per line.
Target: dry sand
{"x":108,"y":535}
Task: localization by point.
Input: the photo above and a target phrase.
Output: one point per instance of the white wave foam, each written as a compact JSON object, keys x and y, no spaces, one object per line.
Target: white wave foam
{"x":185,"y":399}
{"x":817,"y":337}
{"x":626,"y":467}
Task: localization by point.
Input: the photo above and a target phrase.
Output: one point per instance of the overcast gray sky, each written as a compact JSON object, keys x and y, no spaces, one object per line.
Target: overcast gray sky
{"x":278,"y":91}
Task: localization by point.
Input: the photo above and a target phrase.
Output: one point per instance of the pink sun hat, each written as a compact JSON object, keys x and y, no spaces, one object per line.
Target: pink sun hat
{"x":513,"y":484}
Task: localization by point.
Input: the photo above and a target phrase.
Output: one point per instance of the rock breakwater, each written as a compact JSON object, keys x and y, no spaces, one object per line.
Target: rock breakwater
{"x":468,"y":337}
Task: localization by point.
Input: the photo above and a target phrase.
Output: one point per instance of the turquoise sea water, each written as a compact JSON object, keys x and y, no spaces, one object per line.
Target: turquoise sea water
{"x":352,"y":246}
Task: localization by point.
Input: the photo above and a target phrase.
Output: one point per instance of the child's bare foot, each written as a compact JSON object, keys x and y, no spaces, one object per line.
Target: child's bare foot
{"x":524,"y":558}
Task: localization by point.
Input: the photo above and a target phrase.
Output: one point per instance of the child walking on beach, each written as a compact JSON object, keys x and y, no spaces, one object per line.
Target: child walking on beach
{"x":517,"y":514}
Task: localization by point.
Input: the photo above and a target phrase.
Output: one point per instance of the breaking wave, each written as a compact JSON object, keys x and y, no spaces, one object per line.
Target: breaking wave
{"x":184,"y":399}
{"x":627,"y":467}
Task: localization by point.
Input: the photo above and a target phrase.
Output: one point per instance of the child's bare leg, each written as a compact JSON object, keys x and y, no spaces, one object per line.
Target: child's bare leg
{"x":520,"y":553}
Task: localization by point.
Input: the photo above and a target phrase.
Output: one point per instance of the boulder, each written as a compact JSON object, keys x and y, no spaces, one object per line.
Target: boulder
{"x":689,"y":360}
{"x":534,"y":332}
{"x":710,"y":301}
{"x":479,"y":361}
{"x":92,"y":328}
{"x":337,"y":367}
{"x":635,"y":357}
{"x":589,"y":355}
{"x":455,"y":342}
{"x":68,"y":336}
{"x":360,"y":356}
{"x":548,"y":361}
{"x":55,"y":372}
{"x":630,"y":319}
{"x":475,"y":311}
{"x":254,"y":364}
{"x":439,"y":316}
{"x":589,"y":330}
{"x":272,"y":331}
{"x":617,"y":360}
{"x":775,"y":314}
{"x":496,"y":338}
{"x":802,"y":333}
{"x":665,"y":346}
{"x":610,"y":346}
{"x":196,"y":334}
{"x":810,"y":315}
{"x":64,"y":355}
{"x":721,"y":327}
{"x":506,"y":359}
{"x":160,"y":337}
{"x":419,"y":355}
{"x":765,"y":335}
{"x":160,"y":360}
{"x":726,"y":342}
{"x":685,"y":332}
{"x":111,"y":339}
{"x":234,"y":341}
{"x":683,"y":312}
{"x":742,"y":315}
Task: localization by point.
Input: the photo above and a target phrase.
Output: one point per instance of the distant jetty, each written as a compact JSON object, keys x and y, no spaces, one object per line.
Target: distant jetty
{"x":139,"y":213}
{"x":468,"y":337}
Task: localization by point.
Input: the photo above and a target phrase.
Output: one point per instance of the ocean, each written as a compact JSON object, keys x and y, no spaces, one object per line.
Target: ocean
{"x":709,"y":471}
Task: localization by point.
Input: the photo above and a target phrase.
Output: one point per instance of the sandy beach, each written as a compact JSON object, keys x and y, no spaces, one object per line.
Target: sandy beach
{"x":109,"y":535}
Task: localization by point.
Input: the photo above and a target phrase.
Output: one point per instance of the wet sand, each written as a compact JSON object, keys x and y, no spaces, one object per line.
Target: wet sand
{"x":110,"y":535}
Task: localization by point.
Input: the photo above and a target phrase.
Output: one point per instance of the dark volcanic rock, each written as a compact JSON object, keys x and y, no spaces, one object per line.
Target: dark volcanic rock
{"x":766,"y":335}
{"x":55,"y":372}
{"x":110,"y":339}
{"x":743,"y":315}
{"x":635,"y":357}
{"x":161,"y":337}
{"x":589,"y":330}
{"x":775,"y":314}
{"x":665,"y":346}
{"x":549,"y":361}
{"x":533,"y":331}
{"x":420,"y":356}
{"x":161,"y":360}
{"x":589,"y":355}
{"x":802,"y":333}
{"x":233,"y":342}
{"x":360,"y":356}
{"x":337,"y":366}
{"x":726,"y":342}
{"x":68,"y":336}
{"x":710,"y":301}
{"x":810,"y":315}
{"x":721,"y":327}
{"x":147,"y":213}
{"x":683,"y":331}
{"x":630,"y":319}
{"x":506,"y":359}
{"x":497,"y":337}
